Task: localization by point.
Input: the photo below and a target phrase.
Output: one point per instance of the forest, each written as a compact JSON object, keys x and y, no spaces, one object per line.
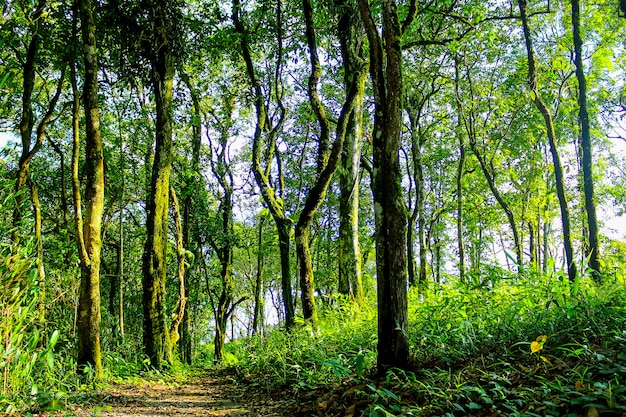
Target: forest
{"x":313,"y":208}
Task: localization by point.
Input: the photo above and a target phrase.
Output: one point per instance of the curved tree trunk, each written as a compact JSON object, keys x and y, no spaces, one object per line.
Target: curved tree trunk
{"x":181,"y":300}
{"x":556,"y":160}
{"x":503,"y":204}
{"x":263,"y":143}
{"x":327,"y":164}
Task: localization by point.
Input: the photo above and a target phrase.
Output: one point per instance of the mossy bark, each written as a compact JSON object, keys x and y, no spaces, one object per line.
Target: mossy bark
{"x":352,"y":51}
{"x":155,"y":335}
{"x":390,"y":212}
{"x":264,"y":151}
{"x":587,"y":158}
{"x":88,"y":322}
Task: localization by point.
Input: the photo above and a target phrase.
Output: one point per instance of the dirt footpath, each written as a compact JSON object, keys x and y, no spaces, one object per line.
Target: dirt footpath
{"x":212,"y":395}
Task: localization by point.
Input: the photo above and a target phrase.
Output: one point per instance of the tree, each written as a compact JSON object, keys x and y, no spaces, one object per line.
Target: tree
{"x":267,"y":128}
{"x":386,"y":75}
{"x":328,"y":160}
{"x":585,"y":139}
{"x":154,"y":260}
{"x":90,"y":237}
{"x":552,"y":140}
{"x":353,"y":53}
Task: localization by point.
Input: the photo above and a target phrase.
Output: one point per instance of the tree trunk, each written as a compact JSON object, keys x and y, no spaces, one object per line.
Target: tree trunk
{"x":264,"y":144}
{"x":41,"y":273}
{"x":90,"y":243}
{"x":189,"y":211}
{"x":258,"y":320}
{"x":327,"y":164}
{"x":583,"y":117}
{"x":181,"y":301}
{"x":27,"y":123}
{"x":350,"y":262}
{"x":459,"y":179}
{"x":489,"y":176}
{"x":154,"y":267}
{"x":556,"y":160}
{"x":391,"y":257}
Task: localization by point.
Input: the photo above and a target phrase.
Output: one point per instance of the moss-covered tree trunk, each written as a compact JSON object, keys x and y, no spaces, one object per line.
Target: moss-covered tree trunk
{"x":190,"y":220}
{"x":90,"y":240}
{"x":258,"y":318}
{"x":155,"y":331}
{"x":350,"y":30}
{"x":390,"y":212}
{"x":181,"y":301}
{"x":264,"y":143}
{"x":328,"y":160}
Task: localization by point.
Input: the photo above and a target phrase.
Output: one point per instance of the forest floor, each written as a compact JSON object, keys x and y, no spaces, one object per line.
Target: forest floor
{"x":212,"y":394}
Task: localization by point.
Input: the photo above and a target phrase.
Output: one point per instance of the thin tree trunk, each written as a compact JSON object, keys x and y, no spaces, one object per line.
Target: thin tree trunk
{"x":459,"y":179}
{"x":258,"y":319}
{"x":556,"y":160}
{"x":327,"y":164}
{"x":503,"y":204}
{"x":41,"y":273}
{"x":181,"y":301}
{"x":265,"y":134}
{"x":587,"y":161}
{"x":64,"y":204}
{"x":189,"y":210}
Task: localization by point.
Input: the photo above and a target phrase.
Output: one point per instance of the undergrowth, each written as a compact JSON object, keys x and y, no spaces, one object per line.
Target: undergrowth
{"x":514,"y":347}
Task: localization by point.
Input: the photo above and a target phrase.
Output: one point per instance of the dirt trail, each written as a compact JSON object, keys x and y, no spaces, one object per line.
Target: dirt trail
{"x":212,"y":395}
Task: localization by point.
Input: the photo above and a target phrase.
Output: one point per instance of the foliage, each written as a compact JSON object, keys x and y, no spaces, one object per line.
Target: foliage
{"x":513,"y":347}
{"x":34,"y":361}
{"x":344,"y":349}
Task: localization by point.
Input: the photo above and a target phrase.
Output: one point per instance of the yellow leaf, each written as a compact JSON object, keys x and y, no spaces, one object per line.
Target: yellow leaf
{"x":593,"y":412}
{"x":535,"y":347}
{"x":350,"y":410}
{"x":542,"y":339}
{"x":546,"y":360}
{"x":579,"y":385}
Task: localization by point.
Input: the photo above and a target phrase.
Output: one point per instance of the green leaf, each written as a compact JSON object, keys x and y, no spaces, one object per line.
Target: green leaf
{"x":50,"y":359}
{"x":54,"y":339}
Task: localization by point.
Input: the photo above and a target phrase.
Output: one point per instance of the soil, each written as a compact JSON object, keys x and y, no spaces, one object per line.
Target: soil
{"x":214,"y":394}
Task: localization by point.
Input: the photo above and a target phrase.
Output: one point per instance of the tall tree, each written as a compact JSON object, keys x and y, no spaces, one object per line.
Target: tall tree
{"x":328,"y":160}
{"x":552,"y":140}
{"x":154,"y":261}
{"x":585,"y":139}
{"x":267,"y":128}
{"x":353,"y":54}
{"x":90,"y":240}
{"x":391,"y":258}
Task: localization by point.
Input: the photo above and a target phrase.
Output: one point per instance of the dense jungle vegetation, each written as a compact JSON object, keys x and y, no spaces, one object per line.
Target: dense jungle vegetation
{"x":349,"y":207}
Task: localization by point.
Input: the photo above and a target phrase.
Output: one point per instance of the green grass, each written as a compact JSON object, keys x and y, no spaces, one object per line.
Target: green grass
{"x":472,"y":352}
